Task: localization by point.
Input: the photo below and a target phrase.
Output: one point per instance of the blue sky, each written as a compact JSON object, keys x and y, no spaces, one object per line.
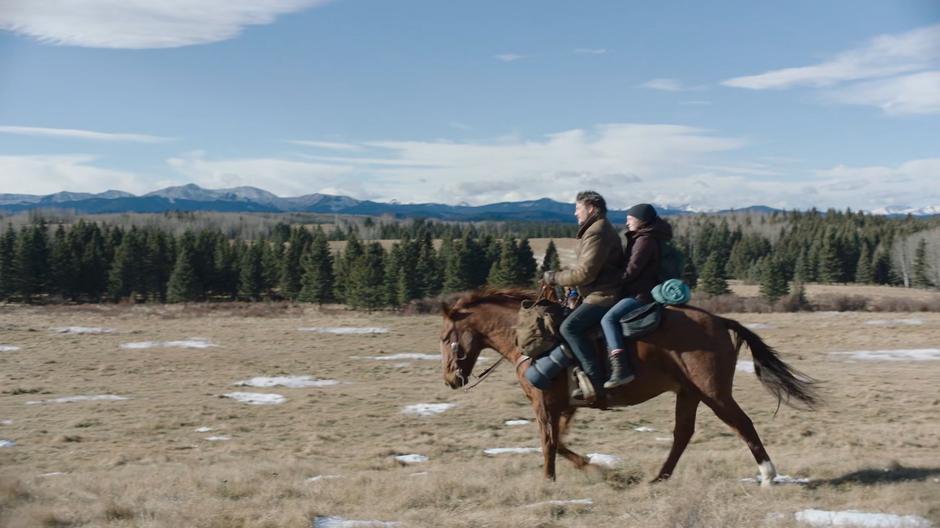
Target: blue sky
{"x":710,"y":105}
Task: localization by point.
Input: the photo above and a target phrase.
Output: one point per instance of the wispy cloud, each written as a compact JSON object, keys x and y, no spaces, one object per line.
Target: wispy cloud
{"x":883,"y":56}
{"x":509,"y":57}
{"x":82,"y":134}
{"x":666,"y":85}
{"x":140,"y":23}
{"x":590,"y":51}
{"x":918,"y":93}
{"x":329,"y":145}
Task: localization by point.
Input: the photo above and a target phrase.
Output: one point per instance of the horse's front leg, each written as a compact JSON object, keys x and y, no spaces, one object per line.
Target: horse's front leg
{"x":564,"y":422}
{"x":548,"y":422}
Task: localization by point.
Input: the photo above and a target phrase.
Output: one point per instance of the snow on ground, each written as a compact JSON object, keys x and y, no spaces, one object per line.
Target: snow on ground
{"x":218,"y":438}
{"x":608,"y":461}
{"x":511,"y":450}
{"x":779,"y":479}
{"x":644,"y":429}
{"x":192,"y":342}
{"x":427,"y":409}
{"x":344,"y":330}
{"x":292,"y":382}
{"x":411,"y":459}
{"x":71,"y":399}
{"x":81,"y":330}
{"x":7,"y":443}
{"x":758,"y":326}
{"x":203,"y":429}
{"x":860,"y":519}
{"x":339,"y":522}
{"x":745,"y":366}
{"x":8,"y":348}
{"x":6,"y":422}
{"x":256,"y":398}
{"x":664,"y":439}
{"x":517,"y":422}
{"x":399,"y":357}
{"x":909,"y":322}
{"x":53,"y":474}
{"x":917,"y":354}
{"x":317,"y":478}
{"x":583,"y":502}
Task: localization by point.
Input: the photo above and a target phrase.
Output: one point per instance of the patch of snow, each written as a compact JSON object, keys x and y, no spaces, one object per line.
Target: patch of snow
{"x":339,"y":522}
{"x":53,"y":474}
{"x":779,"y":479}
{"x":511,"y":450}
{"x":517,"y":422}
{"x":861,"y":519}
{"x":419,"y":474}
{"x":292,"y":382}
{"x":317,"y":478}
{"x":7,"y":443}
{"x":203,"y":429}
{"x":71,"y":399}
{"x":256,"y":398}
{"x":219,"y":438}
{"x":6,"y":422}
{"x":582,"y":502}
{"x":758,"y":326}
{"x":917,"y":354}
{"x":745,"y":366}
{"x":82,"y":330}
{"x":608,"y":461}
{"x":8,"y":348}
{"x":644,"y":429}
{"x":193,"y":342}
{"x":344,"y":330}
{"x":909,"y":322}
{"x":427,"y":409}
{"x":411,"y":459}
{"x":399,"y":357}
{"x":664,"y":439}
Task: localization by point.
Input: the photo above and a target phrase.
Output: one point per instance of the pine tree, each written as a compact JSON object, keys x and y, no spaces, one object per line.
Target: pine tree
{"x":830,"y":263}
{"x":63,"y":271}
{"x":270,"y":266}
{"x":291,"y":272}
{"x":803,"y":269}
{"x":881,"y":268}
{"x":428,"y":268}
{"x":7,"y":270}
{"x":353,"y":252}
{"x":317,"y":262}
{"x":367,"y":277}
{"x":159,"y":263}
{"x":31,"y":261}
{"x":508,"y":270}
{"x":458,"y":270}
{"x":400,"y":272}
{"x":251,"y":281}
{"x":225,"y":272}
{"x":921,"y":267}
{"x":125,"y":277}
{"x":712,"y":279}
{"x":527,"y":264}
{"x":550,"y":262}
{"x":690,"y":273}
{"x":864,"y":273}
{"x":89,"y":244}
{"x":184,"y":283}
{"x":773,"y":283}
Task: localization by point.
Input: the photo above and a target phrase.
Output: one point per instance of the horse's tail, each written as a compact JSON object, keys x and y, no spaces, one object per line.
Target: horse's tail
{"x":782,"y":380}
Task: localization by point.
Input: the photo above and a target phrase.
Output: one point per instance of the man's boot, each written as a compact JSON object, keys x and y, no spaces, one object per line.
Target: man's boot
{"x":619,"y":370}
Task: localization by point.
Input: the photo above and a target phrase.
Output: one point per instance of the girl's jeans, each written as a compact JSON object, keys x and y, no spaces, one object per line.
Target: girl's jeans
{"x":611,"y":322}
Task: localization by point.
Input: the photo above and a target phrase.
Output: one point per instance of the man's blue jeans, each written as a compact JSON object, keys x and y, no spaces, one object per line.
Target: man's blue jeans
{"x":573,"y":329}
{"x":611,"y":322}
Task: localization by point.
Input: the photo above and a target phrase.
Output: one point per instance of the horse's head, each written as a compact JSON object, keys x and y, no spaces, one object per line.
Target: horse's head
{"x":460,"y":346}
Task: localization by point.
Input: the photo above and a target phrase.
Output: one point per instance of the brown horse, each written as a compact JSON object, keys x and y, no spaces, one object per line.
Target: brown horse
{"x":692,"y":354}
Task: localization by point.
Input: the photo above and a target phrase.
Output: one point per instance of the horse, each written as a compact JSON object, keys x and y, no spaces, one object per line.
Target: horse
{"x":693,"y":354}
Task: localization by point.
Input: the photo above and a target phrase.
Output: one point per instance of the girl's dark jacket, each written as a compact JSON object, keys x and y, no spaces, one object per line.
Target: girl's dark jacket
{"x":643,"y":252}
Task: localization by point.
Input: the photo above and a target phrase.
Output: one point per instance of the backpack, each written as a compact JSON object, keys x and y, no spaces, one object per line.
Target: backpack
{"x":671,"y":262}
{"x":641,"y":321}
{"x":537,"y":327}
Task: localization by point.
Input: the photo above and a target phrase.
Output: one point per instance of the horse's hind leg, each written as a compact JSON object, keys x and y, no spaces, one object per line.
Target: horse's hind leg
{"x":686,"y":406}
{"x":729,"y":412}
{"x":564,"y":422}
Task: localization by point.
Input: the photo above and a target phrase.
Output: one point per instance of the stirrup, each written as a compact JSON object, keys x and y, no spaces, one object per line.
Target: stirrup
{"x":585,"y":392}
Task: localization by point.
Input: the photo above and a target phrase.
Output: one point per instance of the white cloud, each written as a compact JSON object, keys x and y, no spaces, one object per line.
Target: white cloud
{"x":140,"y":23}
{"x":51,"y":174}
{"x":884,"y":56}
{"x":666,"y":85}
{"x":82,"y":134}
{"x":509,"y":57}
{"x":917,"y":93}
{"x":329,"y":145}
{"x":590,"y":51}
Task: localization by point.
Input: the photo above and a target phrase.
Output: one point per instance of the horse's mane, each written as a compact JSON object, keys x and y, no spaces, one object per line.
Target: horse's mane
{"x":490,"y":295}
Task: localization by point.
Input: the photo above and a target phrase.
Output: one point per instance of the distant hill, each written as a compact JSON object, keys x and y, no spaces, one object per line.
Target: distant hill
{"x":192,"y":197}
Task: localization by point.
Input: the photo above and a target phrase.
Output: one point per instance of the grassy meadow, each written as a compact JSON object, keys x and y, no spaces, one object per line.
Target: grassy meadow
{"x":330,"y":450}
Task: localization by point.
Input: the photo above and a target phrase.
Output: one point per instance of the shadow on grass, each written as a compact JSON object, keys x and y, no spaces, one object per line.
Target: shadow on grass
{"x":870,"y":477}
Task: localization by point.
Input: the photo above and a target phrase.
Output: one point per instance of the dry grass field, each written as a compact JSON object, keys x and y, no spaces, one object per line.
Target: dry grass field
{"x":146,"y":461}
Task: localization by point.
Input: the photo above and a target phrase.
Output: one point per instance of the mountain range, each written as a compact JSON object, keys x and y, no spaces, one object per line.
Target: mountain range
{"x":192,"y":197}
